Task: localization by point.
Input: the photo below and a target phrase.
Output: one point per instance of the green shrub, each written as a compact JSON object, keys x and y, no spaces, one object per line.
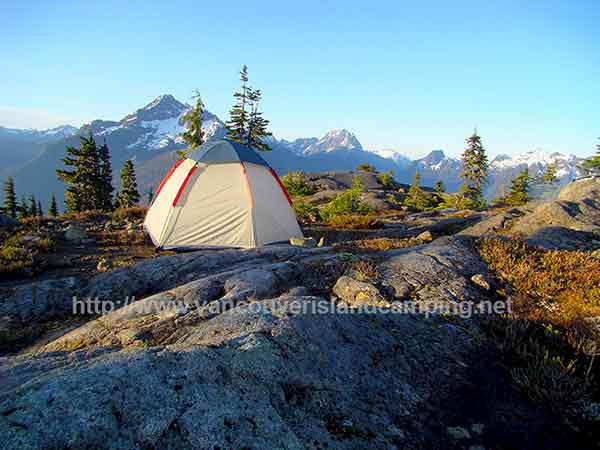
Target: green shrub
{"x":365,"y":167}
{"x":305,"y":211}
{"x":386,"y":179}
{"x":348,"y":202}
{"x":295,"y":183}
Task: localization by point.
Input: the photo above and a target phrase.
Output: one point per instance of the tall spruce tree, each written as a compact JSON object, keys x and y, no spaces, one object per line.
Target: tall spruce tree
{"x":83,"y":181}
{"x":10,"y":198}
{"x":237,"y":125}
{"x":150,"y":195}
{"x":592,"y":165}
{"x":32,"y":208}
{"x":474,"y":169}
{"x":23,"y":210}
{"x":193,"y":135}
{"x":549,"y":175}
{"x":53,"y":209}
{"x":439,"y":187}
{"x":40,"y":211}
{"x":415,"y":197}
{"x":519,"y":189}
{"x":104,"y":194}
{"x":257,"y":124}
{"x":128,"y":195}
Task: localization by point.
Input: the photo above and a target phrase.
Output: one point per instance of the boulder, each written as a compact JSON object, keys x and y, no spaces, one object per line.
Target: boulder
{"x":309,"y":242}
{"x":358,"y":293}
{"x":425,"y":236}
{"x":75,"y":233}
{"x":7,"y":221}
{"x":481,"y":281}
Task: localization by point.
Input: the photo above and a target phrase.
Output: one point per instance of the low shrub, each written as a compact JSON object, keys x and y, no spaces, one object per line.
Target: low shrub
{"x":386,"y":179}
{"x":305,"y":211}
{"x":295,"y":184}
{"x":19,"y":256}
{"x":366,"y":167}
{"x":354,"y":222}
{"x":133,"y":213}
{"x":90,"y":215}
{"x":348,"y":202}
{"x":551,"y":338}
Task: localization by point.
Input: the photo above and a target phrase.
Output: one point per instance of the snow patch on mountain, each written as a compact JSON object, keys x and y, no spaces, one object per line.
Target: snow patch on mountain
{"x":332,"y":141}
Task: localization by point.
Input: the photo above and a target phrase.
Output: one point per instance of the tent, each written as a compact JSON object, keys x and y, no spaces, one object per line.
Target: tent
{"x":223,"y":195}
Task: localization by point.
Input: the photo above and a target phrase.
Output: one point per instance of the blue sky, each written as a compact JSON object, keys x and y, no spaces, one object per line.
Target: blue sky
{"x":412,"y":76}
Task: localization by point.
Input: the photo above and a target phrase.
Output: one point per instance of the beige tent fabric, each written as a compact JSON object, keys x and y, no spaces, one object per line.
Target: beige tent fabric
{"x":213,"y":210}
{"x":229,"y":204}
{"x":274,"y":218}
{"x":163,"y":201}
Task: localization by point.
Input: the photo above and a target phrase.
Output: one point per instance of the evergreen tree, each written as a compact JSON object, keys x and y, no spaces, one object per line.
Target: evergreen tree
{"x":53,"y":209}
{"x":128,"y":195}
{"x":104,"y":194}
{"x":257,"y":124}
{"x":237,"y":126}
{"x":23,"y":210}
{"x":40,"y":211}
{"x":83,"y":180}
{"x":10,"y":198}
{"x":592,"y":165}
{"x":192,"y":121}
{"x":439,"y":187}
{"x":150,"y":195}
{"x":32,"y":208}
{"x":519,"y":189}
{"x":549,"y":175}
{"x":474,"y":168}
{"x":416,"y":198}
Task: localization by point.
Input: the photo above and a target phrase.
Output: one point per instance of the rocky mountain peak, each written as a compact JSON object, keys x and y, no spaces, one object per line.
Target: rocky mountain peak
{"x":161,"y":108}
{"x":334,"y":140}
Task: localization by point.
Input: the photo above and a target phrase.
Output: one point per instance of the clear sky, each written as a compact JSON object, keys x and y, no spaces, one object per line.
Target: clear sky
{"x":411,"y":76}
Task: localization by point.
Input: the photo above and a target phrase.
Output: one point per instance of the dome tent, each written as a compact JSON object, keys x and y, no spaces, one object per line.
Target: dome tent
{"x":223,"y":195}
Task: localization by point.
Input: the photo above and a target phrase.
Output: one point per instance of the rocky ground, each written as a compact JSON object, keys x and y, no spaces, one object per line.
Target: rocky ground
{"x":279,"y":347}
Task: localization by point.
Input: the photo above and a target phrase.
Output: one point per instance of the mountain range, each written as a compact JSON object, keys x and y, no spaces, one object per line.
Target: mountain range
{"x":151,"y":134}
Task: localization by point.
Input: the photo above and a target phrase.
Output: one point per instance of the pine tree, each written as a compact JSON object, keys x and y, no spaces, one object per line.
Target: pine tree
{"x":416,"y":198}
{"x":592,"y":165}
{"x":237,"y":126}
{"x":104,"y":194}
{"x":474,"y":170}
{"x":23,"y":210}
{"x":549,"y":175}
{"x":150,"y":195}
{"x":10,"y":198}
{"x":53,"y":209}
{"x":32,"y":208}
{"x":519,"y":189}
{"x":128,"y":195}
{"x":40,"y":211}
{"x":192,"y":121}
{"x":439,"y":187}
{"x":257,"y":124}
{"x":83,"y":180}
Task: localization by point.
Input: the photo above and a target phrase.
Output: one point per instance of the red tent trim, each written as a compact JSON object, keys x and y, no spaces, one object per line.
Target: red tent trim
{"x":180,"y":191}
{"x":285,"y":192}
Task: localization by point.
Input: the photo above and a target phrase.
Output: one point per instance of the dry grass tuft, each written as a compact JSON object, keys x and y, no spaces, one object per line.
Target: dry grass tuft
{"x":354,"y":222}
{"x":133,"y":213}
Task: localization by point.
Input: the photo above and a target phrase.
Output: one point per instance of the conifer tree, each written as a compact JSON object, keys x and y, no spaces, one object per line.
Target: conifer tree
{"x":150,"y":195}
{"x":592,"y":165}
{"x":10,"y":198}
{"x":415,"y":197}
{"x":128,"y":195}
{"x":40,"y":211}
{"x":53,"y":209}
{"x":32,"y":208}
{"x":257,"y":124}
{"x":474,"y":168}
{"x":104,"y":194}
{"x":439,"y":187}
{"x":192,"y":121}
{"x":23,"y":210}
{"x":519,"y":189}
{"x":237,"y":126}
{"x":549,"y":175}
{"x":84,"y":178}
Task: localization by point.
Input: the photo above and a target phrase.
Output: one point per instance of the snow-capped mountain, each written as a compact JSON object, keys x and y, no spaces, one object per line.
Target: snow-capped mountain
{"x":152,"y":133}
{"x":332,"y":141}
{"x":157,"y":125}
